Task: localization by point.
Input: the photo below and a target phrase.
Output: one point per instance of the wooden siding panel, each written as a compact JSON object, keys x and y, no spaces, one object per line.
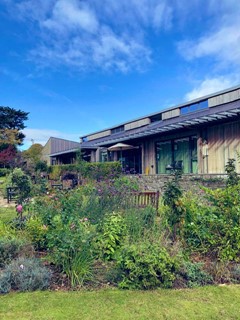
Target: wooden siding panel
{"x":99,"y":135}
{"x":171,"y":114}
{"x":137,"y":124}
{"x":223,"y":144}
{"x":224,"y":98}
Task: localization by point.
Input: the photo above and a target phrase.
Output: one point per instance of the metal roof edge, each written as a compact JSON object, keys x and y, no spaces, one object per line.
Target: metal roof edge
{"x":167,"y":109}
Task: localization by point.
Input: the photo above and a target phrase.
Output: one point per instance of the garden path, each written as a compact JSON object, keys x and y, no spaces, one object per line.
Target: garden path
{"x":4,"y":204}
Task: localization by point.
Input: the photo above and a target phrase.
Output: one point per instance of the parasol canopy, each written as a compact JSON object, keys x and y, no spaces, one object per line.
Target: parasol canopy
{"x":121,"y":147}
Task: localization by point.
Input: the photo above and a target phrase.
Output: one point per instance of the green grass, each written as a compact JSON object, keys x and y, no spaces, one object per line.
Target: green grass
{"x":7,"y":214}
{"x":222,"y":302}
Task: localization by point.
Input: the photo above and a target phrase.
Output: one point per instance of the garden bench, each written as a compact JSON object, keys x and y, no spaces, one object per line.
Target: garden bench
{"x":147,"y":198}
{"x":12,"y":193}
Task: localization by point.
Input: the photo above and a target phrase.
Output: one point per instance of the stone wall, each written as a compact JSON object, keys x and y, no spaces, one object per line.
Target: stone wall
{"x":189,"y":182}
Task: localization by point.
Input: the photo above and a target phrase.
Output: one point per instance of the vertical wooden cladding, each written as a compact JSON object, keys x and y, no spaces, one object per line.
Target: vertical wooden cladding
{"x":223,"y":143}
{"x":149,"y":157}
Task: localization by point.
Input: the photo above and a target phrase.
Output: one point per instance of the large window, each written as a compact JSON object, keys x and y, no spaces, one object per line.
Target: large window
{"x":177,"y":154}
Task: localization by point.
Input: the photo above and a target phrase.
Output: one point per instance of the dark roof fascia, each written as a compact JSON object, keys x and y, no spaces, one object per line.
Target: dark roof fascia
{"x":72,"y":150}
{"x":181,"y":105}
{"x":214,"y":114}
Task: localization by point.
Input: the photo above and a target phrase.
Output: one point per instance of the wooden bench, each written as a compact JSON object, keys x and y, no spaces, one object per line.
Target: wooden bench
{"x":147,"y":198}
{"x":12,"y":194}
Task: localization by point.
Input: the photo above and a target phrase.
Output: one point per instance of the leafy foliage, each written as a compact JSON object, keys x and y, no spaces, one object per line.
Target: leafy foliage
{"x":230,"y":169}
{"x":110,"y":236}
{"x":22,"y":181}
{"x":171,"y":198}
{"x":10,"y":248}
{"x":25,"y":275}
{"x":146,"y":266}
{"x":194,"y":274}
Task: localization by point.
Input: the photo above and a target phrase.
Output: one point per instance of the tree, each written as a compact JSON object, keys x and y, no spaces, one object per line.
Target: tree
{"x":11,"y":124}
{"x":7,"y":156}
{"x":33,"y":153}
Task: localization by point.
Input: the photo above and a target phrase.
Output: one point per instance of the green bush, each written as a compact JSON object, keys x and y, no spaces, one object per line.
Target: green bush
{"x":172,"y":199}
{"x":146,"y":266}
{"x":10,"y":248}
{"x":4,"y":172}
{"x":139,"y":222}
{"x":19,"y":179}
{"x":213,"y":226}
{"x":89,"y":170}
{"x":194,"y":274}
{"x":36,"y":231}
{"x":110,"y":236}
{"x":25,"y":275}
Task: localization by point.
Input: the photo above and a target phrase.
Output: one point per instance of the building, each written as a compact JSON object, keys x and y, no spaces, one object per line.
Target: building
{"x":198,"y":136}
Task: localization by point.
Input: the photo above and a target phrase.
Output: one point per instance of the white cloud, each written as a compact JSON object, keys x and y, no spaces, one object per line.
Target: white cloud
{"x":109,"y":35}
{"x":42,"y":135}
{"x":209,"y":86}
{"x":71,"y":15}
{"x":222,"y":45}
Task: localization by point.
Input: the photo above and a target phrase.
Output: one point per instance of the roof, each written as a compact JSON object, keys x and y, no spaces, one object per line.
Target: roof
{"x":209,"y":115}
{"x":169,"y":109}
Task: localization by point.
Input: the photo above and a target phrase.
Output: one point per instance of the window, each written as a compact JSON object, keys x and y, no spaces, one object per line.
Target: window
{"x":157,"y":117}
{"x":194,"y":107}
{"x":118,"y":129}
{"x":177,"y":154}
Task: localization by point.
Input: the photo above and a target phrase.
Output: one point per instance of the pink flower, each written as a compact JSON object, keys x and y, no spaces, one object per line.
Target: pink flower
{"x":19,"y":208}
{"x":85,"y":219}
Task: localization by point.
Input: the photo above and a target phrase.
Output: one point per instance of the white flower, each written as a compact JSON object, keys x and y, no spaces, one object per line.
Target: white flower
{"x":21,"y":266}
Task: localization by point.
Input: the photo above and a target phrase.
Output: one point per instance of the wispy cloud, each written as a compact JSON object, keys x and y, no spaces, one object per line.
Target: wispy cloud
{"x":42,"y":135}
{"x":109,"y":35}
{"x":221,"y":41}
{"x":211,"y":85}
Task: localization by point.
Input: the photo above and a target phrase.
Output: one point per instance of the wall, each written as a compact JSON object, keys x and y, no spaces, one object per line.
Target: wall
{"x":188,"y":182}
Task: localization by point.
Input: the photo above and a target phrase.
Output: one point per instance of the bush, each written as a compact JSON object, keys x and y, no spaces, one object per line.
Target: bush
{"x":4,"y":172}
{"x":90,"y":170}
{"x":20,"y":180}
{"x":25,"y":275}
{"x":110,"y":236}
{"x":36,"y":231}
{"x":10,"y":248}
{"x":194,"y":274}
{"x":146,"y":266}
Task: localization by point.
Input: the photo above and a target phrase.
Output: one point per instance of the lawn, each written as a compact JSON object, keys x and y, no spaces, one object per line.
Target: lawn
{"x":221,"y":302}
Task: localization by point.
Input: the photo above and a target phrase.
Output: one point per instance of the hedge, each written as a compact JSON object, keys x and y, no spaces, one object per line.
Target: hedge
{"x":89,"y":170}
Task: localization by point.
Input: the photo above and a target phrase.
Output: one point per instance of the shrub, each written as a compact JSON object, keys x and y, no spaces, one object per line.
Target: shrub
{"x":4,"y":172}
{"x":78,"y":265}
{"x":20,"y":180}
{"x":172,"y":199}
{"x":139,"y":221}
{"x":10,"y":248}
{"x":146,"y":266}
{"x":194,"y":274}
{"x":36,"y":231}
{"x":110,"y":236}
{"x":25,"y":275}
{"x":232,"y":176}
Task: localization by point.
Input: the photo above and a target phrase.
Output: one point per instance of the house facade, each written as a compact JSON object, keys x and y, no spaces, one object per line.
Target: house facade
{"x":198,"y":136}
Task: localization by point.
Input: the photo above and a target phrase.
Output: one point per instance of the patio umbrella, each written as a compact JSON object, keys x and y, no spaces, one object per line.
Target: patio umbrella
{"x":120,"y":147}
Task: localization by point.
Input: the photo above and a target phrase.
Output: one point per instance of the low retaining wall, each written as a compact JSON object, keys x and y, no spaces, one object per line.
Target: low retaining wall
{"x":189,"y":182}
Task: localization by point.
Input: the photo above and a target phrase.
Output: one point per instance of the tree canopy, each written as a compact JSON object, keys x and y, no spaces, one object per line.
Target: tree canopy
{"x":11,"y":124}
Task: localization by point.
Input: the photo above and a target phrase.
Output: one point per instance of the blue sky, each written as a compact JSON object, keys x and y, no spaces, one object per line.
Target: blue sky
{"x":79,"y":66}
